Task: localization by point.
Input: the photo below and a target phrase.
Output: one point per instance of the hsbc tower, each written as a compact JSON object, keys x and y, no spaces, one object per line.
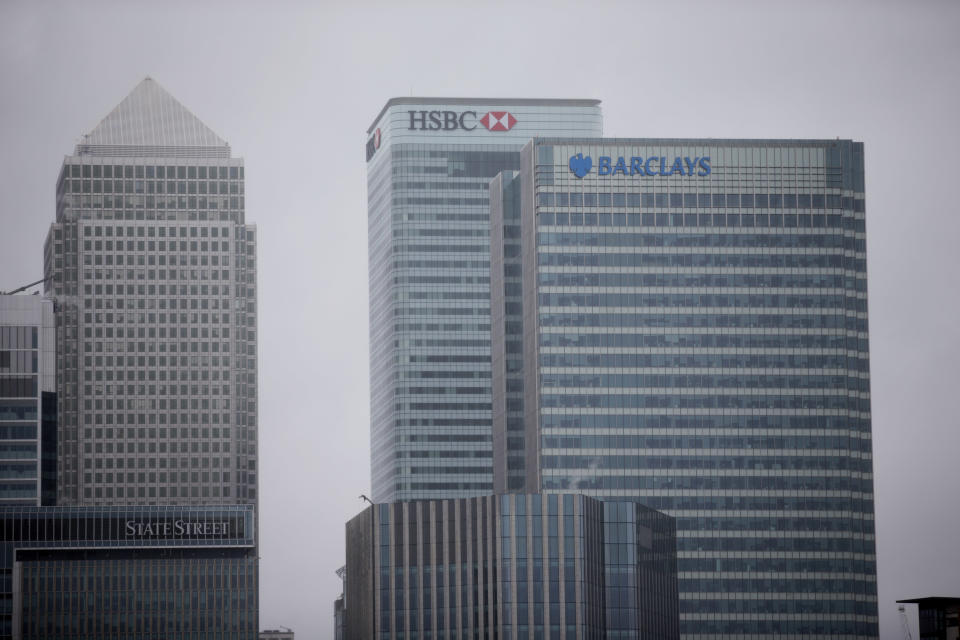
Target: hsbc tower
{"x":429,"y":165}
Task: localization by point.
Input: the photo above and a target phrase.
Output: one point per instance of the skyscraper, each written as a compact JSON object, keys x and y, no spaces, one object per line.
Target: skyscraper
{"x":692,"y":319}
{"x":28,"y":401}
{"x":153,"y":269}
{"x":429,"y":162}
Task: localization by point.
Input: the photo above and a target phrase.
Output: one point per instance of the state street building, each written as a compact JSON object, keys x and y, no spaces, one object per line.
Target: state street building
{"x":151,"y":268}
{"x":684,"y":322}
{"x":110,"y":573}
{"x":429,"y":164}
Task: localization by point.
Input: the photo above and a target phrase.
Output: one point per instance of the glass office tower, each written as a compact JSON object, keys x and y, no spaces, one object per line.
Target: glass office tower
{"x":153,"y":269}
{"x":28,"y":401}
{"x":429,"y":163}
{"x":693,"y":330}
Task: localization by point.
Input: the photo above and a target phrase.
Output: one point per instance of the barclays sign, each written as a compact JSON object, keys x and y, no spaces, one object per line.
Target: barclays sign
{"x":581,"y":165}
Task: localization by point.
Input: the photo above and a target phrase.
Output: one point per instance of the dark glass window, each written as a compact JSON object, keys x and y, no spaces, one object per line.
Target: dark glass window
{"x":746,"y":200}
{"x":733,"y":199}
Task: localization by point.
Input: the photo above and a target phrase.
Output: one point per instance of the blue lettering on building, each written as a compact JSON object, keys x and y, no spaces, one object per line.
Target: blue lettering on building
{"x":581,"y":165}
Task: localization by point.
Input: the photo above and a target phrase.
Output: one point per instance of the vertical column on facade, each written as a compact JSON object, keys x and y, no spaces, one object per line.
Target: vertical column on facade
{"x":445,"y":554}
{"x":457,"y":626}
{"x":491,"y":559}
{"x":471,"y":506}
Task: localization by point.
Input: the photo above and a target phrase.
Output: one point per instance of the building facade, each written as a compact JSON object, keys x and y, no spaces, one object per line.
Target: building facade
{"x":28,"y":401}
{"x":153,"y":269}
{"x":511,"y":567}
{"x":691,"y":319}
{"x":109,"y":573}
{"x":429,"y":162}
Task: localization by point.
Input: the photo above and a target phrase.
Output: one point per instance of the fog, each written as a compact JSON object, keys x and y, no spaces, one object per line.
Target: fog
{"x":293,"y":88}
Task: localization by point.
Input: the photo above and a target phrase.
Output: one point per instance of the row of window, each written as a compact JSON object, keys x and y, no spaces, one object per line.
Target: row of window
{"x":667,"y":422}
{"x":702,"y":200}
{"x":826,"y":504}
{"x":155,"y":202}
{"x":629,"y":460}
{"x":827,"y":243}
{"x":729,"y":280}
{"x":152,"y":171}
{"x":691,"y":444}
{"x":819,"y":321}
{"x":669,"y":400}
{"x":153,"y":187}
{"x":813,"y":260}
{"x":703,"y":301}
{"x":723,"y":341}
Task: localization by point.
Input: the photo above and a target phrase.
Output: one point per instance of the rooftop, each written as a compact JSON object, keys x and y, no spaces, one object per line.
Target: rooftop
{"x":149,"y":118}
{"x":486,"y":102}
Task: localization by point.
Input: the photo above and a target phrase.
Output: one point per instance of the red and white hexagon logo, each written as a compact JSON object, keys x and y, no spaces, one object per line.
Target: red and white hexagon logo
{"x":498,"y":120}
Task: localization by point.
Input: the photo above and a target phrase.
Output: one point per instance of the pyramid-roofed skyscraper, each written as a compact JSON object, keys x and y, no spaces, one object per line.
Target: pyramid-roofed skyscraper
{"x":153,"y":269}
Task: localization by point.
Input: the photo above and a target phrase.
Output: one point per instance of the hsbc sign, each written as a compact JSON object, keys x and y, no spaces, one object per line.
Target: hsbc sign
{"x":463,"y":120}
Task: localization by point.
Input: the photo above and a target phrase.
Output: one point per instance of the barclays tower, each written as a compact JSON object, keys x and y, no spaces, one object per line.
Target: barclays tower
{"x":684,"y":322}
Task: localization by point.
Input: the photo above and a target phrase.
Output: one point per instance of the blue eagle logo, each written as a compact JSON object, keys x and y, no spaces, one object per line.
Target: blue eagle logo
{"x":580,"y":166}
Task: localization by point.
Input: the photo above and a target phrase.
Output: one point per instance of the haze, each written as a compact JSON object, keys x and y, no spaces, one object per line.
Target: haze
{"x":293,"y":88}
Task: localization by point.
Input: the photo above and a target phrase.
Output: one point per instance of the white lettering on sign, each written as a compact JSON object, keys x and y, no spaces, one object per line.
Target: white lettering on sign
{"x":176,"y":528}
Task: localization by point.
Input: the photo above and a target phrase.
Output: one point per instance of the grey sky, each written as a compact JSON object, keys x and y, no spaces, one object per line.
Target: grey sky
{"x":293,"y":88}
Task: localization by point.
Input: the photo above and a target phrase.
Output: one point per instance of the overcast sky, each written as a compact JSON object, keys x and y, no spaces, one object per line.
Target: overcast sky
{"x":293,"y":88}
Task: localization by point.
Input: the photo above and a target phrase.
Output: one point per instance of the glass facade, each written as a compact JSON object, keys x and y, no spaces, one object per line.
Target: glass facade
{"x":513,"y":567}
{"x":153,"y":268}
{"x":185,"y":573}
{"x":429,"y":163}
{"x":694,"y":335}
{"x":28,"y":401}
